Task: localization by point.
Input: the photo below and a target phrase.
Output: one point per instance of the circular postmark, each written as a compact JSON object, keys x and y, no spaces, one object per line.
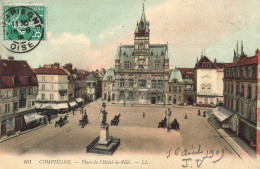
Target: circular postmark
{"x":23,"y":29}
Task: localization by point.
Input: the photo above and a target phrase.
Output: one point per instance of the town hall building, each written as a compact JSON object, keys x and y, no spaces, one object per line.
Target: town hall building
{"x":142,"y":69}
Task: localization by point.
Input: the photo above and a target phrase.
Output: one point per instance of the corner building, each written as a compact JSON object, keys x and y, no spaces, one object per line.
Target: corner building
{"x":142,"y":69}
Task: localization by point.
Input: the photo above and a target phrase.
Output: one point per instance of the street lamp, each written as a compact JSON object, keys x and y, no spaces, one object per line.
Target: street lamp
{"x":169,"y":115}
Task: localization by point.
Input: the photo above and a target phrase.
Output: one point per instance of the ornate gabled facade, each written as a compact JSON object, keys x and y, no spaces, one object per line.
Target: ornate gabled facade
{"x":142,"y":69}
{"x":208,"y":82}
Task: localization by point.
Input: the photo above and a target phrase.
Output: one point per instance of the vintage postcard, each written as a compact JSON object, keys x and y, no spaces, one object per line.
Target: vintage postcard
{"x":129,"y":84}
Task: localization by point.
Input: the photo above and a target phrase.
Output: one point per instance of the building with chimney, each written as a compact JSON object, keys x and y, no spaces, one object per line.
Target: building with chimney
{"x":18,"y":91}
{"x":142,"y":69}
{"x":240,"y":96}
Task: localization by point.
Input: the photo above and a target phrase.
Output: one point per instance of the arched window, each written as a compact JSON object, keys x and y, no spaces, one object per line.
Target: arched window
{"x":156,"y":63}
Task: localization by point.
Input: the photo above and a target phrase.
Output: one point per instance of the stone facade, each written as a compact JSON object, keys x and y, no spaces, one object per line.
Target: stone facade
{"x":240,"y":96}
{"x":142,"y":70}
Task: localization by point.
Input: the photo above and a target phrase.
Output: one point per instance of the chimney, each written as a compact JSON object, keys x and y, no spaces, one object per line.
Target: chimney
{"x":10,"y":58}
{"x":56,"y":65}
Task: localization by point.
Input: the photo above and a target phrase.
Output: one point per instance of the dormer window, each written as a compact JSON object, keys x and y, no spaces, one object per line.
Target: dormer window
{"x":16,"y":79}
{"x":203,"y":64}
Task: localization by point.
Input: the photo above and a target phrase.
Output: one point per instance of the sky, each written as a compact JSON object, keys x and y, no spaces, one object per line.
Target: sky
{"x":86,"y":33}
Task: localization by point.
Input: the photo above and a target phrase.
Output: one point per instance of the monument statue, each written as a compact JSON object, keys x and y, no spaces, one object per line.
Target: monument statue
{"x":104,"y":113}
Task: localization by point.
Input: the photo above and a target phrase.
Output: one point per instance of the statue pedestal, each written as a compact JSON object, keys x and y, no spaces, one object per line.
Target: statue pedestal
{"x":104,"y":135}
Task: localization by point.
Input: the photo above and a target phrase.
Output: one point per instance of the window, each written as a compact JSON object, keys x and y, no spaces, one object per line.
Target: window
{"x":154,"y":84}
{"x":22,"y":97}
{"x":249,"y":92}
{"x":43,"y":86}
{"x":122,"y":82}
{"x":105,"y":96}
{"x":237,"y":88}
{"x":231,"y":88}
{"x":130,"y":96}
{"x":127,"y":64}
{"x":142,"y":83}
{"x":15,"y":106}
{"x":175,"y":89}
{"x":43,"y":78}
{"x":15,"y":92}
{"x":238,"y":72}
{"x":170,"y":98}
{"x":170,"y":88}
{"x":179,"y":89}
{"x":122,"y":95}
{"x":62,"y":96}
{"x":51,"y":97}
{"x":7,"y":108}
{"x":113,"y":96}
{"x":244,"y":72}
{"x":16,"y":79}
{"x":156,"y":64}
{"x":33,"y":103}
{"x":250,"y":72}
{"x":30,"y":90}
{"x":243,"y":90}
{"x":29,"y":104}
{"x":43,"y":96}
{"x":179,"y":98}
{"x":131,"y":82}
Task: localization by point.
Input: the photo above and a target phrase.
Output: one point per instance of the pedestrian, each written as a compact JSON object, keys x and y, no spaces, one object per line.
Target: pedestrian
{"x":44,"y":119}
{"x":204,"y":114}
{"x":198,"y":112}
{"x":49,"y":118}
{"x":124,"y":103}
{"x":143,"y":115}
{"x":185,"y":117}
{"x":73,"y":112}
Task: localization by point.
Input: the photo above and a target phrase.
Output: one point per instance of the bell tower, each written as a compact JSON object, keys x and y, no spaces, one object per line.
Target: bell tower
{"x":141,"y":43}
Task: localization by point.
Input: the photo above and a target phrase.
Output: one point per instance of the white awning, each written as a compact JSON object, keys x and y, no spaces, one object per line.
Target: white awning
{"x":222,"y":114}
{"x":79,"y":100}
{"x":31,"y":117}
{"x":63,"y":106}
{"x":73,"y":104}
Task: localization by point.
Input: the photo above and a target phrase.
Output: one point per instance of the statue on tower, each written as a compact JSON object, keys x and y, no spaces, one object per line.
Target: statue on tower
{"x":104,"y":112}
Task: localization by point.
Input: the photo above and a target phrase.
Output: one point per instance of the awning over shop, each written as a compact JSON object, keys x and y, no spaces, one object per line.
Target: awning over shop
{"x":73,"y":104}
{"x":63,"y":105}
{"x":30,"y":117}
{"x":79,"y":100}
{"x":52,"y":106}
{"x":222,"y":114}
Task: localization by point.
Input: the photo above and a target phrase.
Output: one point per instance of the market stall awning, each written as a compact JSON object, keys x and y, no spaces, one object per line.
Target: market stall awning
{"x":30,"y":117}
{"x":79,"y":100}
{"x":73,"y":104}
{"x":222,"y":114}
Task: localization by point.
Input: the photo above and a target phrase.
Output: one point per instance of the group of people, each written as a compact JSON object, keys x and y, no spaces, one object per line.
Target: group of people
{"x":204,"y":113}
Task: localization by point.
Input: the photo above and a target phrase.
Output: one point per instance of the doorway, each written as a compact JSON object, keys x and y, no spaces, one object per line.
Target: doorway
{"x":153,"y":100}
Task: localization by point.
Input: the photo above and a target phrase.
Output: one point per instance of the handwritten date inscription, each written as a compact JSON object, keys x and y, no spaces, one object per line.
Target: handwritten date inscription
{"x":196,"y":154}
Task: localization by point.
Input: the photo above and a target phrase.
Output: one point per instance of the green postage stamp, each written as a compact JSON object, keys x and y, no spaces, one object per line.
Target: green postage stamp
{"x":23,"y":27}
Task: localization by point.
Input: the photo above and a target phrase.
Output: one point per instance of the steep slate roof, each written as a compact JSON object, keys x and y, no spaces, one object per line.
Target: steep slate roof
{"x":11,"y":68}
{"x":49,"y":71}
{"x":187,"y":72}
{"x":91,"y":78}
{"x":245,"y":61}
{"x":213,"y":65}
{"x":109,"y":72}
{"x":175,"y":74}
